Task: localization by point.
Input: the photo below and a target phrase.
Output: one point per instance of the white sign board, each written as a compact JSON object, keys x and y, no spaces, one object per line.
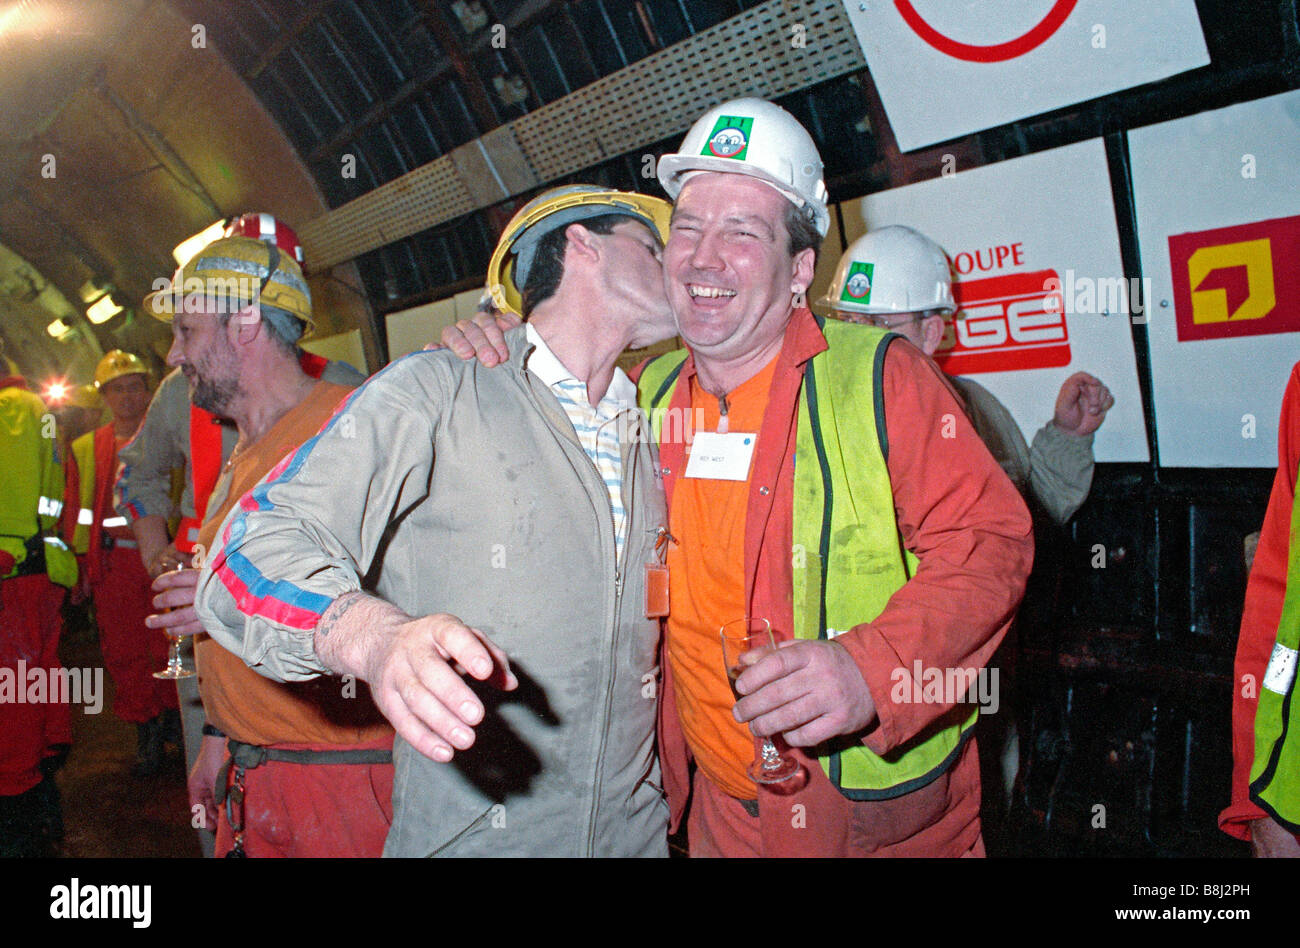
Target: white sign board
{"x":1218,"y":213}
{"x":946,"y":68}
{"x":1036,"y":252}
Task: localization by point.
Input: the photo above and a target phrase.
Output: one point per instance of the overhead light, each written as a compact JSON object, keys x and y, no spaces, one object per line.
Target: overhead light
{"x":511,"y":89}
{"x":187,"y":248}
{"x":93,"y":289}
{"x":103,"y":309}
{"x":18,"y":16}
{"x":472,"y":16}
{"x":58,"y":329}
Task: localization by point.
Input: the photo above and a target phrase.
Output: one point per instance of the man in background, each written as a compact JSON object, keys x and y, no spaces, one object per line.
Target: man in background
{"x":35,"y":736}
{"x":300,"y":770}
{"x":897,"y":279}
{"x":1265,"y":803}
{"x":177,"y":435}
{"x":112,"y":571}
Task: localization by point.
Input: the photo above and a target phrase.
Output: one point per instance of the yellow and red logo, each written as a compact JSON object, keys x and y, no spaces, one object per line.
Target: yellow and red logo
{"x":1237,"y":281}
{"x":1005,"y":324}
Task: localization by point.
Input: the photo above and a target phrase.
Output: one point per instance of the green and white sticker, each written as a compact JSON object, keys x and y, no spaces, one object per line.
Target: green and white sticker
{"x":857,"y":288}
{"x":730,"y":137}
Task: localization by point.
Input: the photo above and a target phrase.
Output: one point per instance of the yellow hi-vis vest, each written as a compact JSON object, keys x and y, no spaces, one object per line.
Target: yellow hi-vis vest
{"x":848,"y":557}
{"x":31,"y":484}
{"x":1275,"y":771}
{"x":83,"y":452}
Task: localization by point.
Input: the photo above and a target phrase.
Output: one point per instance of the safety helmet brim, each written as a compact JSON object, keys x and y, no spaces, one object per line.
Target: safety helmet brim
{"x":232,"y":271}
{"x":512,"y":258}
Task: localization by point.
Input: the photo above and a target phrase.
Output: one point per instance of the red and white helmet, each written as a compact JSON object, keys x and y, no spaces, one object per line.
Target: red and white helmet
{"x":266,"y":228}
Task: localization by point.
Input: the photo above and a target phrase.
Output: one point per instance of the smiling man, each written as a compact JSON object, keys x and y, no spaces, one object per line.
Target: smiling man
{"x":895,"y":544}
{"x":886,"y":545}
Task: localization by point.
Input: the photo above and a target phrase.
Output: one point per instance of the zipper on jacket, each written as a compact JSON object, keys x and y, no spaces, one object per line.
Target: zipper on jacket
{"x":620,"y":562}
{"x":610,"y":537}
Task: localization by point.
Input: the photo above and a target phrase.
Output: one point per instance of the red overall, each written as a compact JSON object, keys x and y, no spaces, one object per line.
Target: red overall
{"x":121,"y":587}
{"x":975,"y":542}
{"x":29,"y":607}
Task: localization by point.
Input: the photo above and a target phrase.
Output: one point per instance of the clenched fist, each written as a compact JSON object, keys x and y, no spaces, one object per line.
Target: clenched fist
{"x":1082,"y":404}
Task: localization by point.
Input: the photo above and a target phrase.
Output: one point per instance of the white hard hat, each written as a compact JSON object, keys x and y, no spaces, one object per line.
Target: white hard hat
{"x":757,"y":138}
{"x":892,"y":270}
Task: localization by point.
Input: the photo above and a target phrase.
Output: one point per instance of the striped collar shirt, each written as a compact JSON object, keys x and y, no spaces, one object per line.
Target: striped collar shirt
{"x":597,"y":428}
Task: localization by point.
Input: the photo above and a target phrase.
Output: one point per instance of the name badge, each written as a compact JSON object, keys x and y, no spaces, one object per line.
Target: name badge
{"x":656,"y":591}
{"x":721,"y":456}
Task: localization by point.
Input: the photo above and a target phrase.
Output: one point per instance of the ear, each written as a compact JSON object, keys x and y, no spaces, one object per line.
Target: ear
{"x":802,"y":270}
{"x":245,"y":324}
{"x":581,"y":241}
{"x":932,"y":333}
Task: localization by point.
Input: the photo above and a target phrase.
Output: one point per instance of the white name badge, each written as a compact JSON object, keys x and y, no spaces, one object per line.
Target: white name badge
{"x":721,"y":456}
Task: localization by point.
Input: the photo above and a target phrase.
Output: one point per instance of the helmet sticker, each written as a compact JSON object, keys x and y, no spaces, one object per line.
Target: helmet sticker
{"x":857,"y":288}
{"x":729,"y":138}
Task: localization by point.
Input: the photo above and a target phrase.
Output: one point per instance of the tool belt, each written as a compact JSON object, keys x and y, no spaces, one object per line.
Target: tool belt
{"x":244,"y":757}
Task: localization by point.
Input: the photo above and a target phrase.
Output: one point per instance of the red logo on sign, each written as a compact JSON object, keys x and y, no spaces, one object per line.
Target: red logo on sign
{"x":997,"y":53}
{"x":1237,"y":281}
{"x":1004,"y":324}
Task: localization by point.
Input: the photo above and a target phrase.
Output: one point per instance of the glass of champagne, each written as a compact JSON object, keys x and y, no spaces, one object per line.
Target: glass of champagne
{"x":772,"y":768}
{"x":178,"y":665}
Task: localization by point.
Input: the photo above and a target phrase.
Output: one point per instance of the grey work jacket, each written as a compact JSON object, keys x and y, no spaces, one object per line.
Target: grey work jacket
{"x":1055,"y":472}
{"x":162,"y":443}
{"x":463,"y":489}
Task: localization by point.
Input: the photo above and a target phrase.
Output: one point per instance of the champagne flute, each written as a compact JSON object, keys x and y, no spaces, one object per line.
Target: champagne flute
{"x":178,"y":665}
{"x":772,"y":768}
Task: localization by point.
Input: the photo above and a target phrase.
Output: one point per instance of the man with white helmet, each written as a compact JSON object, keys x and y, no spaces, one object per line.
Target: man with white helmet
{"x":506,"y":523}
{"x":887,"y":551}
{"x":898,"y":279}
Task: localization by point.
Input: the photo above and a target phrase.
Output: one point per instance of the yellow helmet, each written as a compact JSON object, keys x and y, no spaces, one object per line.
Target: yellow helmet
{"x":560,"y":207}
{"x":229,"y":274}
{"x":117,"y":364}
{"x":11,"y":367}
{"x":86,"y":396}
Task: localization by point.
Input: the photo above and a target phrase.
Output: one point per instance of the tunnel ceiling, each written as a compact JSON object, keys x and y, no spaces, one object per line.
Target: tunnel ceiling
{"x":120,"y":136}
{"x":368,"y":92}
{"x":128,"y":125}
{"x":131,"y":124}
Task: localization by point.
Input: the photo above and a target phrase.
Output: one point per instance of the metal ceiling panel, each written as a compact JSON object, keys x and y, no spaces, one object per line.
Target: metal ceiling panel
{"x":750,"y":54}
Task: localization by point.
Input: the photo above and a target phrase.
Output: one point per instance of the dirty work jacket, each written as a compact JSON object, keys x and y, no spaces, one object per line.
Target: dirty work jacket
{"x":464,"y":489}
{"x":163,"y":443}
